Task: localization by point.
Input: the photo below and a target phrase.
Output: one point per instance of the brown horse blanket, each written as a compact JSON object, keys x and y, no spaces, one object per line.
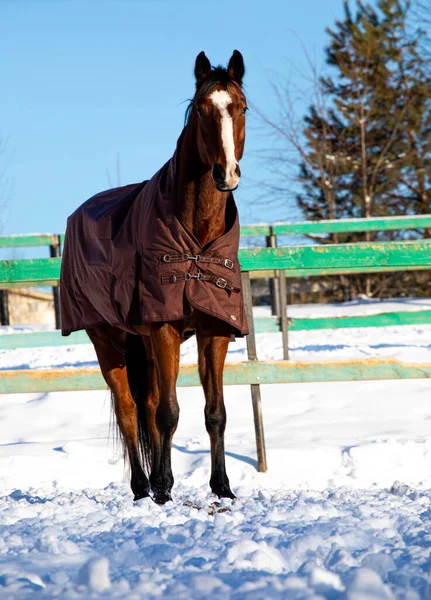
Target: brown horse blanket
{"x":128,"y":260}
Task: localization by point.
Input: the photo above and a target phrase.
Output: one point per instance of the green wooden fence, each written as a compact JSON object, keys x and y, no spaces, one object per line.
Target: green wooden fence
{"x":289,"y":262}
{"x":293,"y":261}
{"x":296,"y":261}
{"x":269,"y":232}
{"x":46,"y":272}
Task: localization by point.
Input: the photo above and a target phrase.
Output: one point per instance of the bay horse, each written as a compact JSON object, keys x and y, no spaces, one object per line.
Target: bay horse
{"x":143,"y":378}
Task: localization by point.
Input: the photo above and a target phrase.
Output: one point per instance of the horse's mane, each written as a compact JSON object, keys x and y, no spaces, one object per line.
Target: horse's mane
{"x":218,"y":76}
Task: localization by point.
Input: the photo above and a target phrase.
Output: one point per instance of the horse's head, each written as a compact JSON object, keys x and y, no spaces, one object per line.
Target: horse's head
{"x":220,"y":106}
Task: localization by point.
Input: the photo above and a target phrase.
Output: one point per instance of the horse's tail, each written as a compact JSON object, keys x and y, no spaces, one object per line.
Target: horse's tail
{"x":137,"y":374}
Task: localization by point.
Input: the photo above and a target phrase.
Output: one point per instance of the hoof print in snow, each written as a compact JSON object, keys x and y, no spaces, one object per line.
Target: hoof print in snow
{"x":215,"y":508}
{"x":212,"y":509}
{"x":191,"y":504}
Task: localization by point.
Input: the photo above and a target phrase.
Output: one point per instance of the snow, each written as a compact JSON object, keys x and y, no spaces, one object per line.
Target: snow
{"x":362,"y":305}
{"x":343,"y":512}
{"x":95,"y":574}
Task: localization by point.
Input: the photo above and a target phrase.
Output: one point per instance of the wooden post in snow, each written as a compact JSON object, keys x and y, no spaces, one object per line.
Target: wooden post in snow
{"x":54,"y":252}
{"x":255,"y":388}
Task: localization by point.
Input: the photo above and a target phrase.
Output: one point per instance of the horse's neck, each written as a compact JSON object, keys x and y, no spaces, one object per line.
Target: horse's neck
{"x":200,"y":207}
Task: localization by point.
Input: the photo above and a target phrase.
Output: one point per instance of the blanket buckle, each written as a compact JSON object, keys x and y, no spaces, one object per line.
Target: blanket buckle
{"x":221,"y":283}
{"x":228,"y":263}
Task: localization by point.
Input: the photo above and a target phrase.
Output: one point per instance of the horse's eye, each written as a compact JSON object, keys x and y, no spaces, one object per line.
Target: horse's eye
{"x":200,"y":111}
{"x":244,"y":110}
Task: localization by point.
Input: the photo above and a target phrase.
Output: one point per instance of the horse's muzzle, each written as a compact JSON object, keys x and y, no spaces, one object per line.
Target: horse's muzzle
{"x":226,"y":181}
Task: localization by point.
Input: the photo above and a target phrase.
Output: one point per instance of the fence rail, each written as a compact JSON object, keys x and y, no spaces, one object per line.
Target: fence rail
{"x":272,"y":324}
{"x":263,"y":230}
{"x":27,"y":240}
{"x":296,"y":261}
{"x":339,"y":226}
{"x":239,"y":373}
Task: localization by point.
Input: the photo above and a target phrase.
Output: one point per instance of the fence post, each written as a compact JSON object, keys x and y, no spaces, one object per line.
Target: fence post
{"x":55,"y":252}
{"x":271,"y":242}
{"x":283,"y":314}
{"x":255,"y":388}
{"x":4,"y":307}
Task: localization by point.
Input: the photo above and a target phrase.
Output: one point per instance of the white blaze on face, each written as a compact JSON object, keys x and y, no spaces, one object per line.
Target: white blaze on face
{"x":221,"y":100}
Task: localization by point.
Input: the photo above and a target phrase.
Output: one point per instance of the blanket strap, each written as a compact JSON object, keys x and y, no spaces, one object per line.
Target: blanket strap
{"x":220,"y":282}
{"x":214,"y":259}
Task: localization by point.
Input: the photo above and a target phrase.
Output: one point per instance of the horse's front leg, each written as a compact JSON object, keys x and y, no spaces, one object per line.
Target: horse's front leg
{"x":212,"y":349}
{"x":165,"y":342}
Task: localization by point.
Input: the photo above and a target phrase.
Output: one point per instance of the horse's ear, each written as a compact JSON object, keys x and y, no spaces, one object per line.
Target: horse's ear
{"x":202,"y":67}
{"x":236,"y":67}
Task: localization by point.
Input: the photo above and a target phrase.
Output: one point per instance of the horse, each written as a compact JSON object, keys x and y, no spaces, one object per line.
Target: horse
{"x":140,"y":362}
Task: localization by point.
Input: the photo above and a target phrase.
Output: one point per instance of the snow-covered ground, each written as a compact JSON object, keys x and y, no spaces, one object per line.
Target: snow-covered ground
{"x":344,"y":511}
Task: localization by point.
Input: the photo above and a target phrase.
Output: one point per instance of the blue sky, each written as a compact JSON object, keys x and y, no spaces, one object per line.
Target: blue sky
{"x":84,"y":81}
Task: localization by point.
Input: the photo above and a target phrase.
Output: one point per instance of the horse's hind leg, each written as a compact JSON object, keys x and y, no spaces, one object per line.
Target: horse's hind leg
{"x":113,"y":366}
{"x":213,"y":340}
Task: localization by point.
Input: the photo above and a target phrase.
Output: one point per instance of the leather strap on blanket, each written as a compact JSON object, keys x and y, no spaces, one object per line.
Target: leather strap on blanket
{"x":214,"y":260}
{"x":220,"y":282}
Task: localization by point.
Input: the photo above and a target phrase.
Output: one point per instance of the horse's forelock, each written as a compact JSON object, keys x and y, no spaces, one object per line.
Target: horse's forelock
{"x":218,"y":76}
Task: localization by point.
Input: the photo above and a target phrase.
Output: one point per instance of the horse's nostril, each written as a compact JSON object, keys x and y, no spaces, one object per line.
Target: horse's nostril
{"x":237,"y":170}
{"x":219,"y":174}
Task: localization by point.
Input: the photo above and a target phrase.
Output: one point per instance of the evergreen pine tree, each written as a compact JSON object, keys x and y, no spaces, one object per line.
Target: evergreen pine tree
{"x":368,"y":153}
{"x":368,"y":137}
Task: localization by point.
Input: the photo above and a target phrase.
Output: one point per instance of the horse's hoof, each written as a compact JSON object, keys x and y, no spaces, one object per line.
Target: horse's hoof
{"x":227,"y":494}
{"x":162,"y":498}
{"x":140,"y":495}
{"x":223,"y":492}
